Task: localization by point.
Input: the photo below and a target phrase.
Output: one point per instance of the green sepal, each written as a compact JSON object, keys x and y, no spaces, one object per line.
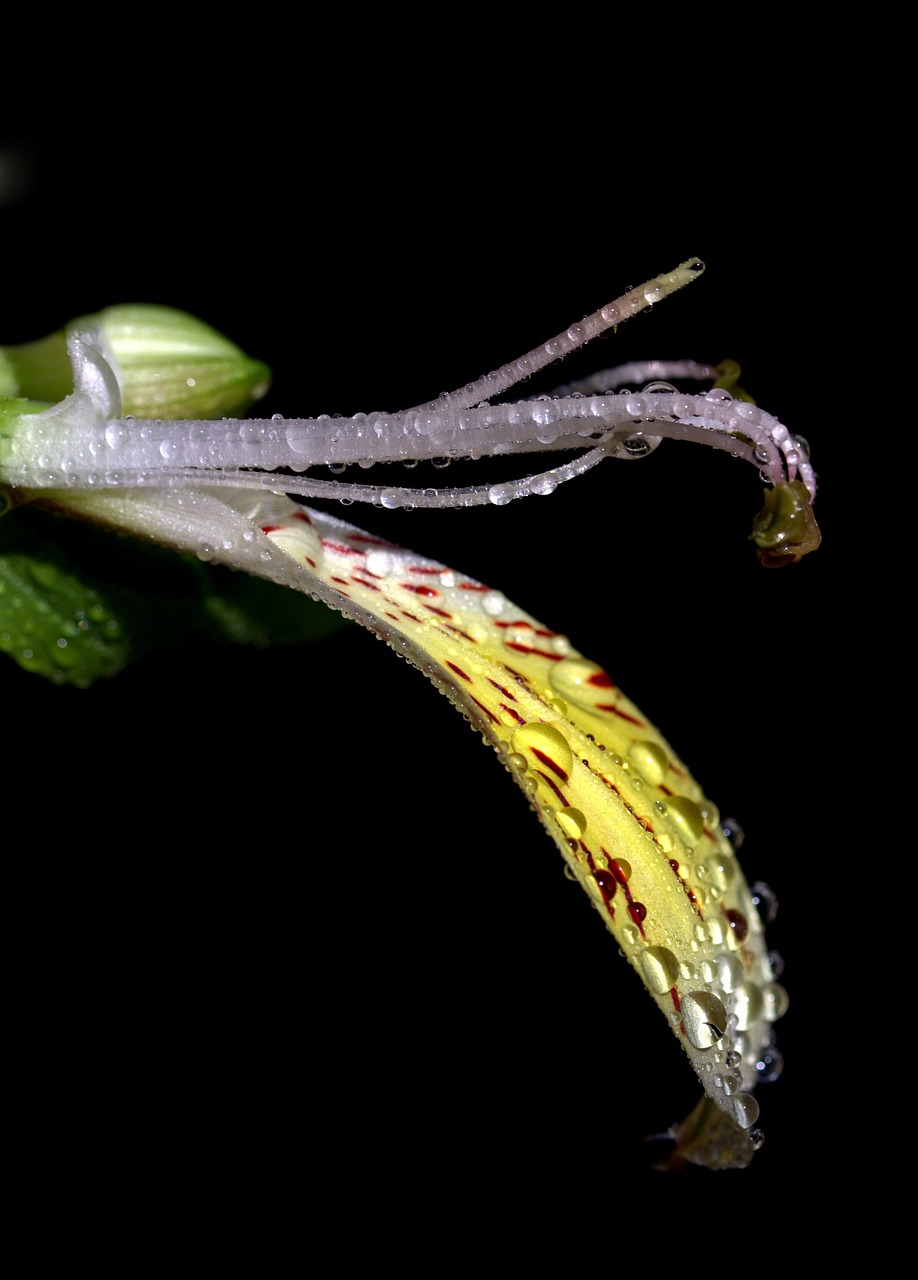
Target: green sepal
{"x":74,"y":624}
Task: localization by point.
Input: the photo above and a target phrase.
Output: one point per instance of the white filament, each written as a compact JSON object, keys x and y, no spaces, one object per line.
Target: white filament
{"x":82,"y":443}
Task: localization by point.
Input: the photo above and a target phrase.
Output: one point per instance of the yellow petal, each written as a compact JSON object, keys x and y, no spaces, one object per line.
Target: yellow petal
{"x":633,"y":825}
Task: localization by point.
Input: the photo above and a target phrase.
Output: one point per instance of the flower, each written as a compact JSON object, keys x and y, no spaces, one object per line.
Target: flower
{"x":633,"y":826}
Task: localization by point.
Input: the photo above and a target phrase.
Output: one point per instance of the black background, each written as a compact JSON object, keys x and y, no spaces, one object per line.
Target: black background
{"x":281,"y":914}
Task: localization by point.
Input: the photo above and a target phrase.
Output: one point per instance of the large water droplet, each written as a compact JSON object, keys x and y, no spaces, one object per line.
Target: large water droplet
{"x":776,"y":1002}
{"x":650,"y":760}
{"x":582,"y":682}
{"x":660,"y":969}
{"x":746,"y":1110}
{"x":545,"y":748}
{"x":748,"y":1005}
{"x":705,"y":1018}
{"x":686,"y":818}
{"x":571,"y":821}
{"x":500,"y":494}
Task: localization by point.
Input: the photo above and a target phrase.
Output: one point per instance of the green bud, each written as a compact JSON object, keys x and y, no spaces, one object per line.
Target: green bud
{"x":171,"y":364}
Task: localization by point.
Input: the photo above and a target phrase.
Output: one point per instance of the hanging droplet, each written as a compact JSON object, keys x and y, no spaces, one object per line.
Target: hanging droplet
{"x":704,"y":1017}
{"x":746,"y":1110}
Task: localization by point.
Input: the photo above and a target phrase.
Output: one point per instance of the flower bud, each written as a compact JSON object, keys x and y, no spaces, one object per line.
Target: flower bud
{"x":171,"y":365}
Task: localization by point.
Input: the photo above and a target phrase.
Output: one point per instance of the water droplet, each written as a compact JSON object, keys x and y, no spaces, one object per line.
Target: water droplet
{"x":705,"y":1018}
{"x":493,"y":603}
{"x":572,"y":822}
{"x":748,"y":1005}
{"x":168,"y":449}
{"x":581,"y":682}
{"x":660,"y":969}
{"x":500,"y":494}
{"x":746,"y":1110}
{"x":547,"y":746}
{"x":765,"y":901}
{"x":650,"y":760}
{"x":738,"y":923}
{"x":734,"y":832}
{"x":769,"y":1065}
{"x":729,"y":971}
{"x":686,"y":818}
{"x":391,"y":499}
{"x":722,"y":871}
{"x":380,"y":563}
{"x":776,"y":999}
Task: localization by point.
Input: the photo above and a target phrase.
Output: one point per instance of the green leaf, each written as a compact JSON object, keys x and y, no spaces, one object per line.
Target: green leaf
{"x":77,"y":604}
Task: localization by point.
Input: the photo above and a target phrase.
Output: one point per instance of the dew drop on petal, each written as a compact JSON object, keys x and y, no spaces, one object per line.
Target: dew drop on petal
{"x":572,"y":822}
{"x":650,"y":760}
{"x":580,"y":681}
{"x":544,"y":747}
{"x":660,"y":969}
{"x":746,"y":1110}
{"x":704,"y":1017}
{"x":686,"y":818}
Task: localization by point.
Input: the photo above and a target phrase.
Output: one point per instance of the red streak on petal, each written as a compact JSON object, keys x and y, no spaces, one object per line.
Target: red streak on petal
{"x":608,"y":706}
{"x":309,"y":560}
{"x":490,"y":714}
{"x":425,"y":568}
{"x":549,"y":782}
{"x":301,"y":515}
{"x":459,"y":672}
{"x":505,"y":692}
{"x":527,"y":626}
{"x":271,"y":528}
{"x":340,"y":546}
{"x":465,"y":635}
{"x":363,"y":582}
{"x":510,"y":712}
{"x":522,"y":648}
{"x":440,"y":612}
{"x":636,"y":910}
{"x":343,"y":581}
{"x":410,"y":617}
{"x":374,"y":542}
{"x":677,"y":1003}
{"x":473,"y":586}
{"x":551,"y":764}
{"x":420,"y":591}
{"x":601,"y":680}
